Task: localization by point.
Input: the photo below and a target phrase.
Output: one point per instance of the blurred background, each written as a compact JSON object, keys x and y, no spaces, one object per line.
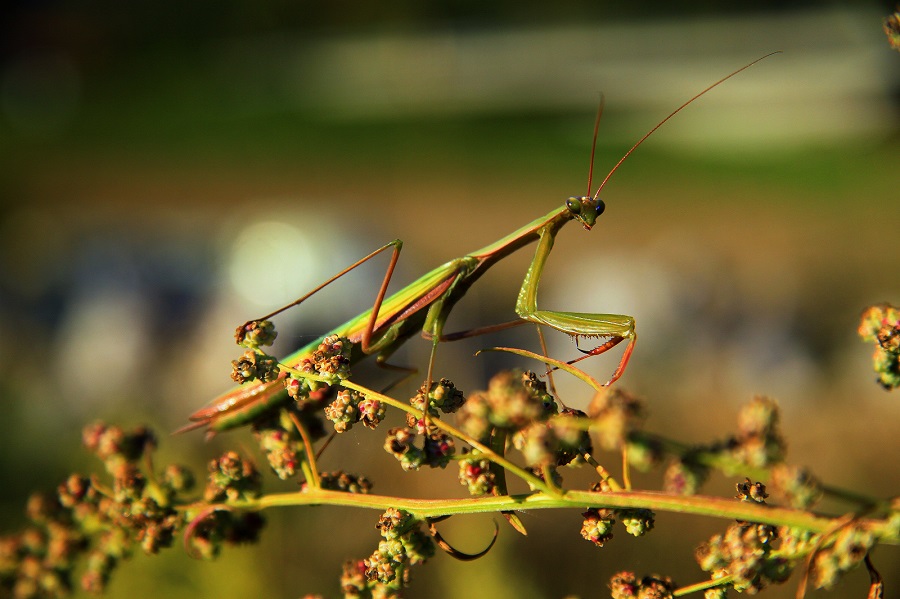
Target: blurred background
{"x":169,"y":170}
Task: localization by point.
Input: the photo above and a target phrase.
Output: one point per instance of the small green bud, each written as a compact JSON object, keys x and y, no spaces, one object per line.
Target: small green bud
{"x":638,"y":522}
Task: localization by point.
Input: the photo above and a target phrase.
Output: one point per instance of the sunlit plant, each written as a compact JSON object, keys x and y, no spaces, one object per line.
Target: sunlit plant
{"x":515,"y":429}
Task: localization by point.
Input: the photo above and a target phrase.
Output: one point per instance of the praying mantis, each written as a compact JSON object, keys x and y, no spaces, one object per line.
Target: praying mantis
{"x":425,"y":304}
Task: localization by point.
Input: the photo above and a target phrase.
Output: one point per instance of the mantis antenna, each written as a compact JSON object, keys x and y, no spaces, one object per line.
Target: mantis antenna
{"x":658,"y":125}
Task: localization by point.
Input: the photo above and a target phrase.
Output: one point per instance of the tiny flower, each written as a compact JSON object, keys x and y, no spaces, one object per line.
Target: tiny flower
{"x":751,"y":492}
{"x":624,"y":585}
{"x":597,"y":526}
{"x":400,"y":443}
{"x":282,"y":448}
{"x":252,"y":366}
{"x":371,"y":412}
{"x":443,"y":395}
{"x":231,"y":478}
{"x":343,"y":412}
{"x":476,"y":475}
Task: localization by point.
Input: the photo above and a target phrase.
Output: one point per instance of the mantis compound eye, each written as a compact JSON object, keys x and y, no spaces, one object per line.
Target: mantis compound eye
{"x":574,"y":205}
{"x":601,"y":206}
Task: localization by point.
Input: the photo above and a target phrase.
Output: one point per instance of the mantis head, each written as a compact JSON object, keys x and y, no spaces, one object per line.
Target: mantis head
{"x":585,"y":209}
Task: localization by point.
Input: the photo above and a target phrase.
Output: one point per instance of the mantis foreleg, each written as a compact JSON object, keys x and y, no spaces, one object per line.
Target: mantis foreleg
{"x":615,"y":327}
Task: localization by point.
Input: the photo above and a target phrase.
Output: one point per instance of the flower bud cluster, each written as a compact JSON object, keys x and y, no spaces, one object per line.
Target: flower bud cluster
{"x":891,"y":26}
{"x":118,"y":449}
{"x":231,"y":478}
{"x":330,"y":359}
{"x":351,"y":407}
{"x":254,"y":365}
{"x":625,"y":585}
{"x":615,"y":414}
{"x":597,"y":525}
{"x":342,"y":481}
{"x":598,"y":522}
{"x":89,"y":523}
{"x":386,"y":572}
{"x":685,"y":476}
{"x":800,"y":488}
{"x":555,"y":442}
{"x":644,"y":452}
{"x":513,"y":400}
{"x":746,"y":550}
{"x":848,"y":548}
{"x":437,"y":447}
{"x":476,"y":475}
{"x":881,"y":324}
{"x":637,"y":521}
{"x":211,"y":529}
{"x":443,"y":396}
{"x":281,"y":444}
{"x":255,"y":334}
{"x":758,"y":444}
{"x":354,"y":584}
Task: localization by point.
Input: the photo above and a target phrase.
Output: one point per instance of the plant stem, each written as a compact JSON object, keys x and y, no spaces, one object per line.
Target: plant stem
{"x":716,"y":507}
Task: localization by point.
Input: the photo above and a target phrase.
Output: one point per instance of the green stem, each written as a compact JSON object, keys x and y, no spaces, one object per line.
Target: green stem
{"x":730,"y":465}
{"x":701,"y":505}
{"x":702,"y":586}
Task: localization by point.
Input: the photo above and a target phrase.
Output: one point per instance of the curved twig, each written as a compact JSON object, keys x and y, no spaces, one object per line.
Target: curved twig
{"x":452,"y":551}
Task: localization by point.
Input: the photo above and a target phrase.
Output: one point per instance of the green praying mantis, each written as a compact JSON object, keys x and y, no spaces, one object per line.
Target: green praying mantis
{"x":425,"y":304}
